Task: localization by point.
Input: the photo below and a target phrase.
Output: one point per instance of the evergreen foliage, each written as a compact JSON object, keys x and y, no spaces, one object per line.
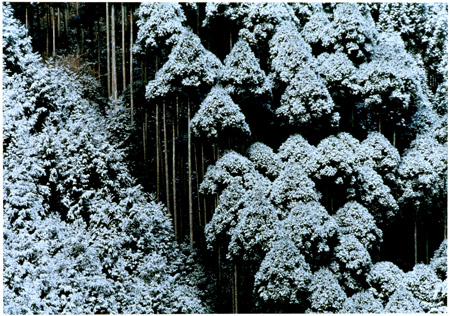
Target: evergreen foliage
{"x":301,"y":148}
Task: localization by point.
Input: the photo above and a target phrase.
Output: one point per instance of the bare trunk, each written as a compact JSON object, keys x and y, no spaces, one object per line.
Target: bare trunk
{"x":66,"y":18}
{"x":203,"y":177}
{"x":196,"y":182}
{"x":26,"y":17}
{"x":124,"y":75}
{"x":108,"y":52}
{"x":394,"y":140}
{"x":144,"y":139}
{"x":235,"y":289}
{"x":52,"y":12}
{"x":174,"y":177}
{"x":166,"y":159}
{"x":415,"y":237}
{"x":379,"y":123}
{"x":46,"y":46}
{"x":98,"y":52}
{"x":157,"y":153}
{"x":113,"y":53}
{"x":59,"y":23}
{"x":191,"y":219}
{"x":131,"y":67}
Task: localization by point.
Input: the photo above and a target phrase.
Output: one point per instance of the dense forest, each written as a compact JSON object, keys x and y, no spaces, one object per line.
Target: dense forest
{"x":224,"y":157}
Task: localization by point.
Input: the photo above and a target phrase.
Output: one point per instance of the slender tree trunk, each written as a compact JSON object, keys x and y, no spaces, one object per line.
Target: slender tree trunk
{"x":427,"y":259}
{"x":52,"y":12}
{"x":131,"y":67}
{"x":113,"y":53}
{"x":66,"y":19}
{"x":99,"y":71}
{"x":124,"y":76}
{"x":26,"y":18}
{"x":157,"y":154}
{"x":191,"y":219}
{"x":235,"y":289}
{"x":174,"y":176}
{"x":166,"y":159}
{"x":394,"y":140}
{"x":59,"y":23}
{"x":108,"y":52}
{"x":144,"y":139}
{"x":203,"y":177}
{"x":198,"y":191}
{"x":379,"y":123}
{"x":47,"y":52}
{"x":415,"y":237}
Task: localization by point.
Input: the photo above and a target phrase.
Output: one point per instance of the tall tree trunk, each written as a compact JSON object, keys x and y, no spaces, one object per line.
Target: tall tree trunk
{"x":47,"y":52}
{"x":379,"y":123}
{"x":174,"y":175}
{"x":52,"y":12}
{"x":66,"y":19}
{"x":124,"y":75}
{"x":235,"y":289}
{"x":157,"y":153}
{"x":203,"y":177}
{"x":113,"y":53}
{"x":191,"y":219}
{"x":415,"y":236}
{"x":59,"y":23}
{"x":166,"y":159}
{"x":394,"y":140}
{"x":196,"y":182}
{"x":144,"y":139}
{"x":99,"y":70}
{"x":26,"y":18}
{"x":108,"y":52}
{"x":131,"y":66}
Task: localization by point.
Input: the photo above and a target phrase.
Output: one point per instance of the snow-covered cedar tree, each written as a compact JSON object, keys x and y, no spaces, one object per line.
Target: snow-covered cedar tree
{"x":256,"y":228}
{"x":439,"y":261}
{"x":423,"y":27}
{"x":293,"y":186}
{"x":392,"y":84}
{"x":379,"y":154}
{"x":283,"y":275}
{"x":256,"y":21}
{"x":354,"y":261}
{"x":306,"y":99}
{"x":339,"y":73}
{"x":289,"y":52}
{"x":337,"y":157}
{"x":311,"y":229}
{"x":375,"y":195}
{"x":354,"y":219}
{"x":296,"y":149}
{"x":230,"y":168}
{"x":423,"y":174}
{"x":242,"y":73}
{"x":189,"y":65}
{"x":326,"y":296}
{"x":318,"y":32}
{"x":353,"y":33}
{"x":79,"y":235}
{"x":402,"y":301}
{"x":385,"y":278}
{"x":159,"y":23}
{"x":422,"y":282}
{"x":265,"y":160}
{"x":362,"y":303}
{"x":217,"y":115}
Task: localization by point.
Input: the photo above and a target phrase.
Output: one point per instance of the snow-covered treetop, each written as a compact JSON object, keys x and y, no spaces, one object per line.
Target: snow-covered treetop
{"x":305,"y":99}
{"x":242,"y":72}
{"x":353,"y":33}
{"x":217,"y":114}
{"x":289,"y":52}
{"x":297,"y":149}
{"x":158,"y":23}
{"x":354,"y":219}
{"x":189,"y":65}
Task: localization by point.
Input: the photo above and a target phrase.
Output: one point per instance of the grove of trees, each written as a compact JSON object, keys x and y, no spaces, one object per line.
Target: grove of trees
{"x":224,"y":157}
